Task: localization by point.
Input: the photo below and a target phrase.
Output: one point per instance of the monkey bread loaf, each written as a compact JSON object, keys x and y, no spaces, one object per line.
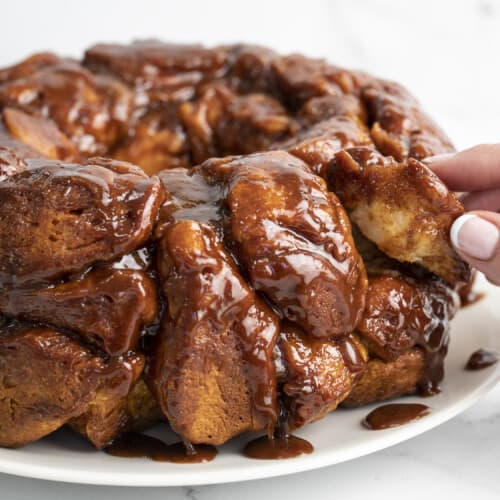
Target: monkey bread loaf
{"x":227,"y":239}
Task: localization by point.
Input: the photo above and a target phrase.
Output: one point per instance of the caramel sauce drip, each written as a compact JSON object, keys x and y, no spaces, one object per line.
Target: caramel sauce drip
{"x":481,"y":359}
{"x":264,"y":448}
{"x":394,"y":415}
{"x":281,"y":444}
{"x":136,"y":445}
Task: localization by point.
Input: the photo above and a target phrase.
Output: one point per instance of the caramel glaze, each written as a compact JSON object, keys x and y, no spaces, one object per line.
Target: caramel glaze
{"x":481,"y":359}
{"x":264,"y":448}
{"x":315,"y":375}
{"x":394,"y":415}
{"x":105,"y":208}
{"x":207,"y":300}
{"x":90,"y":110}
{"x":280,"y":445}
{"x":107,"y":307}
{"x":407,"y":310}
{"x":136,"y":445}
{"x":400,"y":128}
{"x":294,"y":247}
{"x":292,"y":237}
{"x":276,"y":246}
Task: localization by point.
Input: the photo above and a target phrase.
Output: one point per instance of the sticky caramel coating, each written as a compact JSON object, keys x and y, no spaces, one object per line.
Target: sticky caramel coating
{"x":250,"y":69}
{"x":318,"y":109}
{"x":402,"y":207}
{"x":248,"y":249}
{"x":318,"y":144}
{"x":387,"y":380}
{"x":107,"y":307}
{"x":293,"y":239}
{"x":221,"y":123}
{"x":64,"y":217}
{"x":47,"y":379}
{"x":400,"y":128}
{"x":301,"y":78}
{"x":162,"y":71}
{"x":13,"y":154}
{"x":402,"y":311}
{"x":318,"y":373}
{"x":10,"y":162}
{"x":211,"y":368}
{"x":28,"y":66}
{"x":91,"y":110}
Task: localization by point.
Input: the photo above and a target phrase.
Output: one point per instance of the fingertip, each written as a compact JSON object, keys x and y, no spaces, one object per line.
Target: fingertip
{"x":435,"y":161}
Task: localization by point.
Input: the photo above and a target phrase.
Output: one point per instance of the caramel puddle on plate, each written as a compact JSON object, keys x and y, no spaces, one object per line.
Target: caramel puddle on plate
{"x":264,"y":448}
{"x":480,"y":359}
{"x":136,"y":445}
{"x":394,"y":415}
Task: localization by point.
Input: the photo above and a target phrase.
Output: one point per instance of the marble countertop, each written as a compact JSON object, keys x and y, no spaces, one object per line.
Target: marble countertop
{"x":446,"y":53}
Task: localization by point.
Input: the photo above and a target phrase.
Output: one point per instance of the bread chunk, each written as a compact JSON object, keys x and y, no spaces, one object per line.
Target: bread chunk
{"x":293,"y":239}
{"x":46,"y":379}
{"x":318,"y":373}
{"x":64,"y":217}
{"x":211,"y":368}
{"x":400,"y":128}
{"x":402,"y":207}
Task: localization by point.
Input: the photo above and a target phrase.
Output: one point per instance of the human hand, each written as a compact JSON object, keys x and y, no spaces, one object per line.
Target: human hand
{"x":475,"y":235}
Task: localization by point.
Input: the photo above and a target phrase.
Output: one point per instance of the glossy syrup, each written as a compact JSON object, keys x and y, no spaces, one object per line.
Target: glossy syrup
{"x":394,"y":415}
{"x":264,"y":448}
{"x":481,"y":359}
{"x":136,"y":445}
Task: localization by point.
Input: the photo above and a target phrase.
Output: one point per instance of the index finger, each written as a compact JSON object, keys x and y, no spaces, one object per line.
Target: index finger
{"x":474,"y":169}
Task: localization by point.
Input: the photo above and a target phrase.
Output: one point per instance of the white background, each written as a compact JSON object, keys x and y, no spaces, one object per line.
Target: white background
{"x":447,"y":53}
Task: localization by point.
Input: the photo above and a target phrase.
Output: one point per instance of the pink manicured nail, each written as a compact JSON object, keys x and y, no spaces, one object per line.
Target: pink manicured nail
{"x":475,"y":236}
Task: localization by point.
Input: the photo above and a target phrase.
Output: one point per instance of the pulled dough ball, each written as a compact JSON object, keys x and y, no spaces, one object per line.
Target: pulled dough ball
{"x":203,"y":267}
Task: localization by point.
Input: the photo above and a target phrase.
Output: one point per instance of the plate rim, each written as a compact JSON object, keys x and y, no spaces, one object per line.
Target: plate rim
{"x":318,"y":459}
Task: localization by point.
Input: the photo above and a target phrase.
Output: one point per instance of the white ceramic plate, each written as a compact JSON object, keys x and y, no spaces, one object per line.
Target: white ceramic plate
{"x":337,"y":438}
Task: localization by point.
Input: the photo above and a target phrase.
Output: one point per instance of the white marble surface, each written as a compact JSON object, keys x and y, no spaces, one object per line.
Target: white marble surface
{"x":447,"y":53}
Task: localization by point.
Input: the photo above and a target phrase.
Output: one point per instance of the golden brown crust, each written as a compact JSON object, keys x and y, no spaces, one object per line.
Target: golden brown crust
{"x":108,"y":413}
{"x":46,"y":379}
{"x":155,"y":140}
{"x":386,"y":380}
{"x":41,"y":134}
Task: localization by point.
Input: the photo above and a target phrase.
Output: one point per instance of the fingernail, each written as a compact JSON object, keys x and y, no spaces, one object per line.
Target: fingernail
{"x":475,"y":236}
{"x":438,"y":158}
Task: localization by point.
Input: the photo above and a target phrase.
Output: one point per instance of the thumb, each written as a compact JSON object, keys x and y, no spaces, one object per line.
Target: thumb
{"x":476,"y":237}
